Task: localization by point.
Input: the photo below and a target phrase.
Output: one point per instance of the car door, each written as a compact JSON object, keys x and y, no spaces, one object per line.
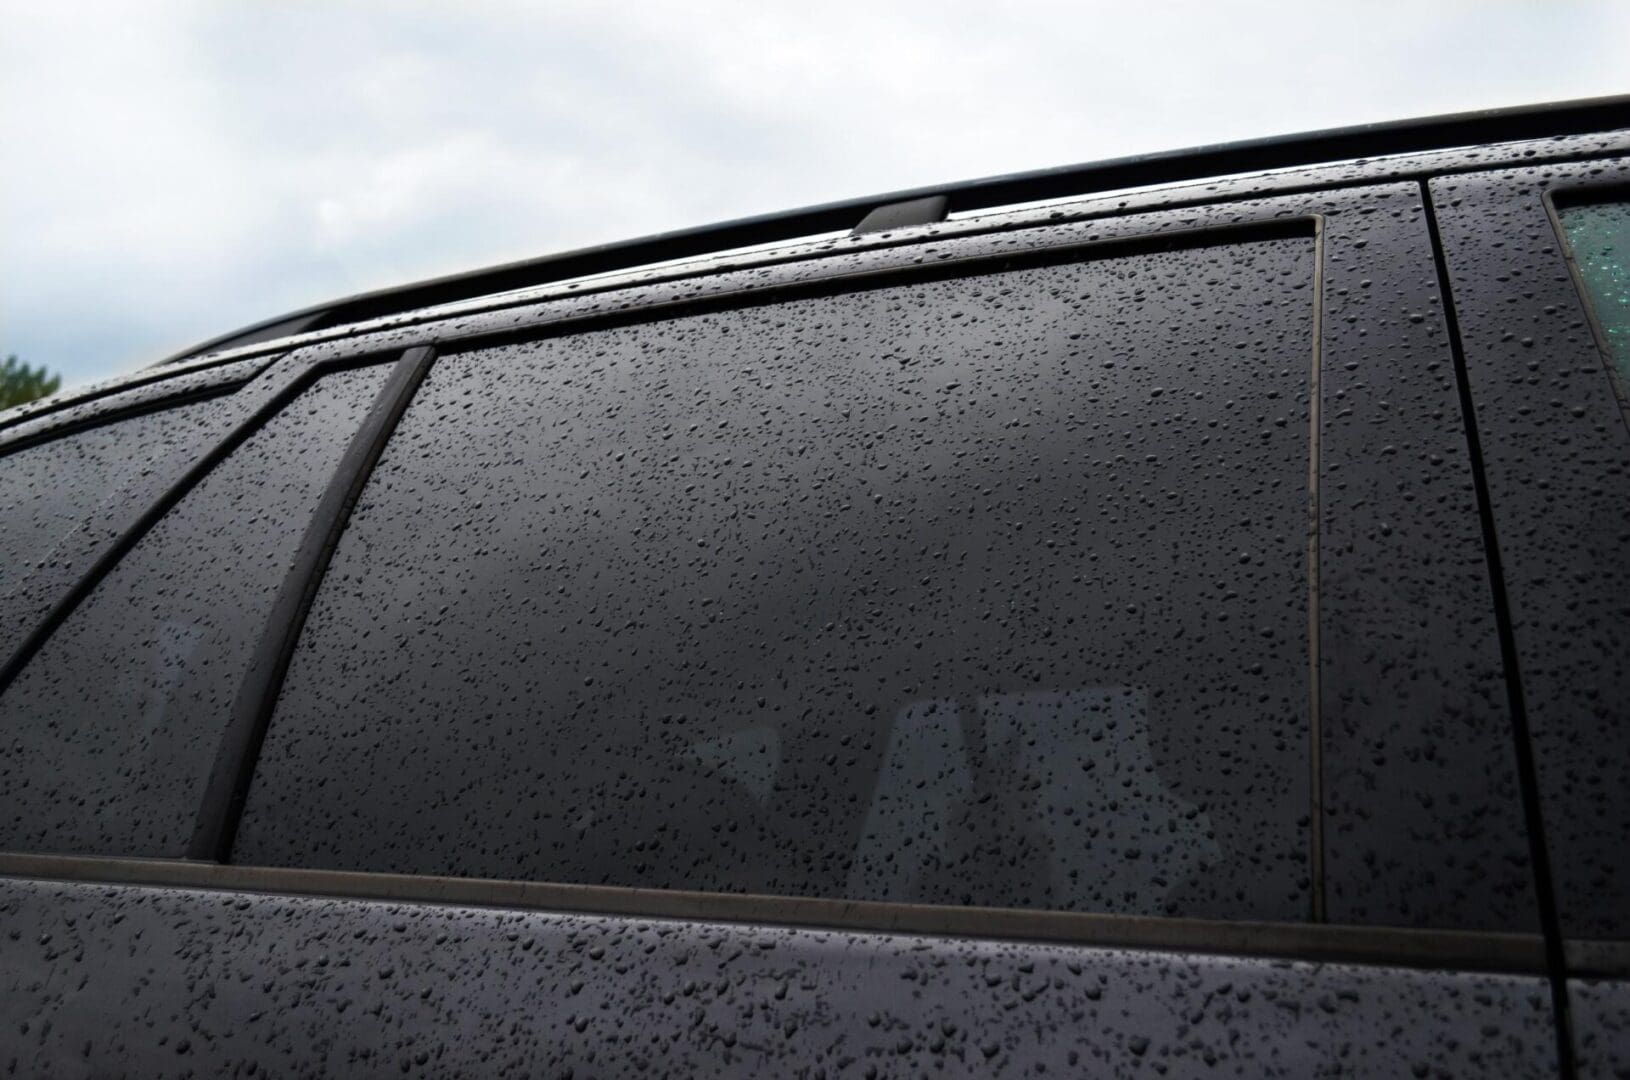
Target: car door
{"x":1066,"y":649}
{"x":1537,"y":258}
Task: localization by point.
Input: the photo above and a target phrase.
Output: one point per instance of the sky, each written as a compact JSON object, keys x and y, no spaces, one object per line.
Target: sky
{"x":179,"y":169}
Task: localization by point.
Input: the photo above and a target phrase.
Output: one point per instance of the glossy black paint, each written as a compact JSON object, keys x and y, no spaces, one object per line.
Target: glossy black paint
{"x":1601,"y":1019}
{"x":1557,"y":455}
{"x":1463,"y":950}
{"x":232,"y":984}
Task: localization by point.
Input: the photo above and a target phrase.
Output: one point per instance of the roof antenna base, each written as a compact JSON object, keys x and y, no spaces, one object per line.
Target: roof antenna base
{"x":901,"y":215}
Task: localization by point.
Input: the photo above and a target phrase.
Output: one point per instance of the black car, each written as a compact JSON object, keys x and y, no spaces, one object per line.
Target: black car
{"x":1163,"y":617}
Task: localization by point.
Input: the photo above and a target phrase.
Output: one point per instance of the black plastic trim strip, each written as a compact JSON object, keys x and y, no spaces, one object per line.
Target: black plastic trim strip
{"x":1527,"y":772}
{"x":121,"y":384}
{"x":1433,"y":949}
{"x":1301,"y":225}
{"x":1584,"y":116}
{"x":1597,"y":959}
{"x":114,"y":416}
{"x":222,"y":805}
{"x":1315,"y":526}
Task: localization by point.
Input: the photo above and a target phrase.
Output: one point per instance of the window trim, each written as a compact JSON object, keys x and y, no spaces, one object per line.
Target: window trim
{"x":1460,"y":950}
{"x":49,"y":418}
{"x":1045,"y":251}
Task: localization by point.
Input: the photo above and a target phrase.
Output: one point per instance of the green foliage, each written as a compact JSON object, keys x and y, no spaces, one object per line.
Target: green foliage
{"x":20,"y":383}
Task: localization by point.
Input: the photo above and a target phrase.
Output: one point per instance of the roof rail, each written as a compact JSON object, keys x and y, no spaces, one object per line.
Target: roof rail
{"x":1579,"y":117}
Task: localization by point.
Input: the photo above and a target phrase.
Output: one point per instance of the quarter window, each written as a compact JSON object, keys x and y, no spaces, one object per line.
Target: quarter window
{"x":107,"y":735}
{"x":49,"y":489}
{"x":1599,"y":241}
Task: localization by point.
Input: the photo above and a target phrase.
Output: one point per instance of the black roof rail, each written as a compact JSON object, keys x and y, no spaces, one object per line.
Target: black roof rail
{"x":1578,"y":117}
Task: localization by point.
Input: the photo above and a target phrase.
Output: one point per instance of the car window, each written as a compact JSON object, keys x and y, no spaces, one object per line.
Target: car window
{"x":47,"y":490}
{"x":990,"y":590}
{"x":110,"y":729}
{"x":1599,"y":240}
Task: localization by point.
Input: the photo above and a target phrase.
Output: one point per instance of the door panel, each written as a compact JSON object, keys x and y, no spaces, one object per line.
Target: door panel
{"x":239,"y":984}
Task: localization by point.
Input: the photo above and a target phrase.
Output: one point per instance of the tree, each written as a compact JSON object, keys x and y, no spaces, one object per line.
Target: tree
{"x":20,"y":383}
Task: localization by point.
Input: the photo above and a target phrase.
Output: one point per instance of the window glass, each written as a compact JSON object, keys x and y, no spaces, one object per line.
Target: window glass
{"x":989,"y":590}
{"x":107,"y":735}
{"x":48,"y":489}
{"x":1599,"y":238}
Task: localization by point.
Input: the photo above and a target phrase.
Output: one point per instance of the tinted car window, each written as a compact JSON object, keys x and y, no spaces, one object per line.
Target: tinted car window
{"x":107,"y":734}
{"x":46,"y":490}
{"x":1599,"y":240}
{"x":989,"y":590}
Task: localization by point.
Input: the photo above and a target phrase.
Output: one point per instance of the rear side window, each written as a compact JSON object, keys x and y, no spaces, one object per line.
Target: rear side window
{"x":106,"y":737}
{"x":48,"y":489}
{"x":982,"y":590}
{"x":1599,"y":243}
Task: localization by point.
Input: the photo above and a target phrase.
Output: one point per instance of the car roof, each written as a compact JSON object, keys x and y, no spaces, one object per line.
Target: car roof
{"x":1342,"y":156}
{"x":926,"y":204}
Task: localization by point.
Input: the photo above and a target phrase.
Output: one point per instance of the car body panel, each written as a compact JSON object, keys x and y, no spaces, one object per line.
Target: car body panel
{"x":223,"y":983}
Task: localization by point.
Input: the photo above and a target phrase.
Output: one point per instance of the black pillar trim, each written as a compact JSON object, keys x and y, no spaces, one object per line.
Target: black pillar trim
{"x":234,"y":767}
{"x":1522,"y":742}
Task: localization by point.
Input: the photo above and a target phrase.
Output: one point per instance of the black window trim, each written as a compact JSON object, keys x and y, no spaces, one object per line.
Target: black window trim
{"x":70,"y":407}
{"x":127,"y":403}
{"x":1461,"y":950}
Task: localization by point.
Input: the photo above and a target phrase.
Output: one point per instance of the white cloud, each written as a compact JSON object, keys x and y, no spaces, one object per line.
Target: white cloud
{"x":181,"y":168}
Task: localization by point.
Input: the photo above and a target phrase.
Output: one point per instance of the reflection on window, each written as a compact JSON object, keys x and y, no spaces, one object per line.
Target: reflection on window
{"x":1060,"y":789}
{"x":47,"y":490}
{"x":1599,"y":238}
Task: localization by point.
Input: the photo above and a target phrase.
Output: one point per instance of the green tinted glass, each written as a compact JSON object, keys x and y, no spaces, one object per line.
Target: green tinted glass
{"x":1599,"y":236}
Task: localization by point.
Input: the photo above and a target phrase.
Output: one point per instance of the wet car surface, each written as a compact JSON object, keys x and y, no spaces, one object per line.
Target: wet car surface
{"x":1174,"y":632}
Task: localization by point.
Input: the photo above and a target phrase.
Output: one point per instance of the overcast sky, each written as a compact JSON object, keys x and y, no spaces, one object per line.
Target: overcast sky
{"x":178,"y":173}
